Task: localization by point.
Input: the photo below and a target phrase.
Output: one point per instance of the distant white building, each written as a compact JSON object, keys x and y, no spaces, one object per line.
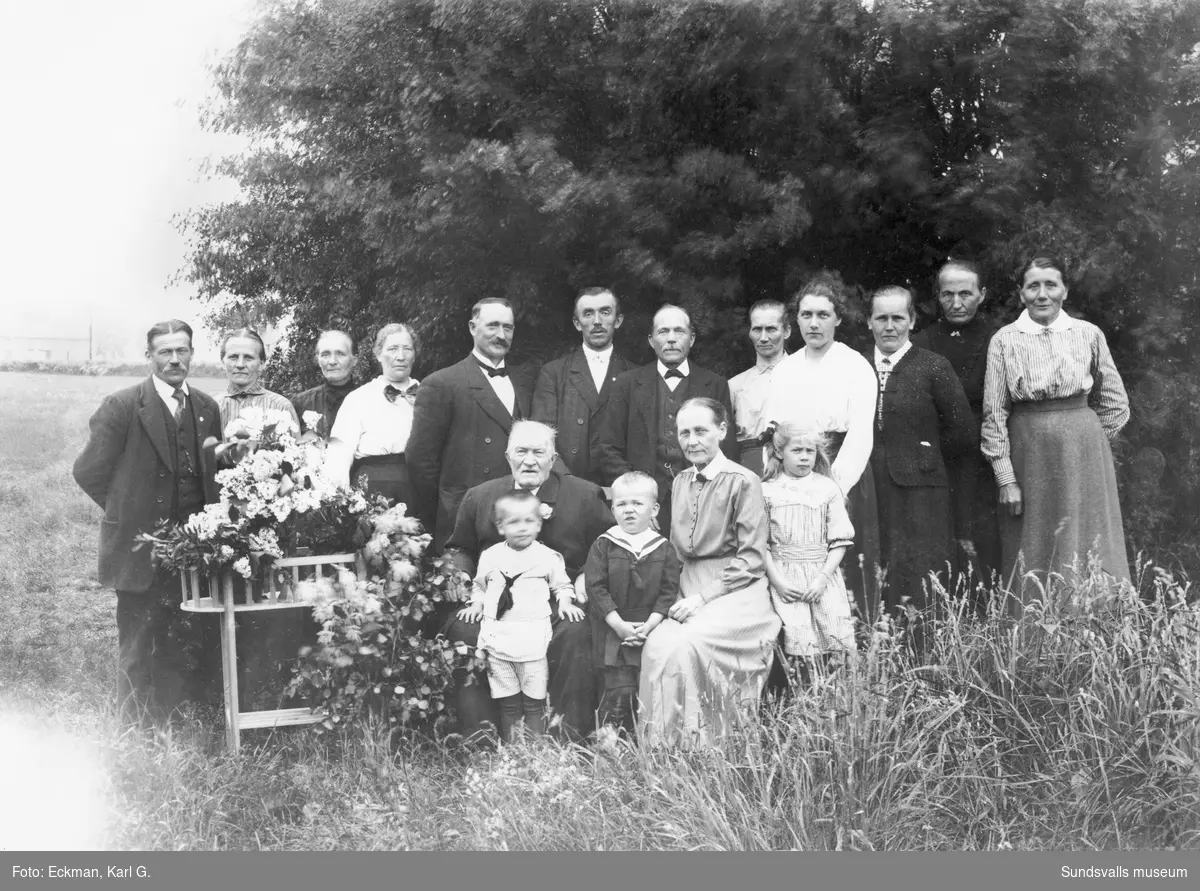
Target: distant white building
{"x":16,"y":348}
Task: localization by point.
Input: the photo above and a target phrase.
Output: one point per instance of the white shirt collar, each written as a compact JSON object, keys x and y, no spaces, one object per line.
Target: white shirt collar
{"x":597,"y":355}
{"x":715,"y":466}
{"x":637,"y":544}
{"x":486,"y":361}
{"x":382,"y":382}
{"x":1027,"y":325}
{"x":893,"y":358}
{"x":166,"y":391}
{"x":684,"y":369}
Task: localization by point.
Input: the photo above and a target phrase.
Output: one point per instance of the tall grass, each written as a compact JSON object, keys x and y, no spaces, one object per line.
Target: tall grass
{"x":1064,"y":730}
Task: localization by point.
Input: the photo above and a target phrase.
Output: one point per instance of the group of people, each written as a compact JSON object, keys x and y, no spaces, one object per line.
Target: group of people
{"x":636,"y":543}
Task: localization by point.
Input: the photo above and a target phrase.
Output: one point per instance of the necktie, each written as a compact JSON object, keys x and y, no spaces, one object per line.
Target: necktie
{"x":179,"y":403}
{"x":885,"y":369}
{"x":494,"y":372}
{"x":673,"y":372}
{"x":410,"y":395}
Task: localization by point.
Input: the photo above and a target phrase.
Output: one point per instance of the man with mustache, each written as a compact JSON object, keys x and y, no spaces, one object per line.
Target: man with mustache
{"x":635,"y":425}
{"x":462,"y":418}
{"x":570,"y":389}
{"x":150,"y":457}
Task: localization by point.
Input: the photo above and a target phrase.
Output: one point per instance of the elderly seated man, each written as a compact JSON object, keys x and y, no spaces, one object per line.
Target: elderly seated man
{"x":574,"y":514}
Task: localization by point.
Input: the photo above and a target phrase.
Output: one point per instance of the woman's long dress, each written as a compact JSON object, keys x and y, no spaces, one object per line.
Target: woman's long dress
{"x":1052,"y":401}
{"x":836,"y":396}
{"x":700,"y":677}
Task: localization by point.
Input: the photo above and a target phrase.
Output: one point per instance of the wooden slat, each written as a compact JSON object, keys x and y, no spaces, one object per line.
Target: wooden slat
{"x":279,"y":717}
{"x":313,"y":561}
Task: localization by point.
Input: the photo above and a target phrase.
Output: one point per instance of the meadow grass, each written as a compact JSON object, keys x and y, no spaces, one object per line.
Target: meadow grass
{"x":1061,"y":732}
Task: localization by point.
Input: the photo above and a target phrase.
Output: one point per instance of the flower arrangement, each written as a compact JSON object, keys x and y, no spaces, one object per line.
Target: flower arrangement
{"x":273,"y":501}
{"x":375,"y":653}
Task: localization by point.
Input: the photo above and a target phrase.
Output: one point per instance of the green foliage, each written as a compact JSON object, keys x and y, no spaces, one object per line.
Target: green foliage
{"x":410,"y":156}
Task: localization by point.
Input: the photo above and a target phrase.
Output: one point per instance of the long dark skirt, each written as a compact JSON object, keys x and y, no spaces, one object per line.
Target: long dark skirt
{"x":914,"y":535}
{"x":386,"y":475}
{"x":862,"y":560}
{"x":1064,"y":467}
{"x":572,"y":691}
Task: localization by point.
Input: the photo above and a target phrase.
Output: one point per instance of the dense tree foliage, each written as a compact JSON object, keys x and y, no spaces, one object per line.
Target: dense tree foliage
{"x":410,"y":156}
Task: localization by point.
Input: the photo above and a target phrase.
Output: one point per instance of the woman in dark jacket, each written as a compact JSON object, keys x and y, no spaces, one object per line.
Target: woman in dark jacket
{"x":922,"y":419}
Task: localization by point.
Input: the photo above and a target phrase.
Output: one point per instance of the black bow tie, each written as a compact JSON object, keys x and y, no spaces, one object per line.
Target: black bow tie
{"x":392,"y":392}
{"x":673,"y":372}
{"x":494,"y":372}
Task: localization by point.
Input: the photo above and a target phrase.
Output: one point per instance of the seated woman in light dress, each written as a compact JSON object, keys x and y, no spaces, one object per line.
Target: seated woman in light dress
{"x":703,"y":669}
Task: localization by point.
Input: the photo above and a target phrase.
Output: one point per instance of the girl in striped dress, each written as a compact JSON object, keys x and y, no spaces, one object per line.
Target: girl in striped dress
{"x":808,"y":532}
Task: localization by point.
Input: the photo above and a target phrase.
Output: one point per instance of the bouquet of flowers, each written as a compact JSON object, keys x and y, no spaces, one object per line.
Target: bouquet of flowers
{"x":275,"y":499}
{"x":374,"y":653}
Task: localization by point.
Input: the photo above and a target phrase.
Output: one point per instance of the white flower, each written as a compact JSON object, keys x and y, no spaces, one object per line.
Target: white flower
{"x":312,"y":419}
{"x":545,"y":511}
{"x":242,"y":567}
{"x":403,"y":571}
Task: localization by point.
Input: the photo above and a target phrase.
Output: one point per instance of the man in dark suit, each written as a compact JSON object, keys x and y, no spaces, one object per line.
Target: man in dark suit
{"x":574,"y":514}
{"x":635,"y":425}
{"x":462,"y":418}
{"x":335,"y":358}
{"x":151,"y":457}
{"x":569,"y":389}
{"x":962,"y":335}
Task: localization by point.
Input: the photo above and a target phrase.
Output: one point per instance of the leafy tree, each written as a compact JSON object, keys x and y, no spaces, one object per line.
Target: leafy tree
{"x":410,"y":156}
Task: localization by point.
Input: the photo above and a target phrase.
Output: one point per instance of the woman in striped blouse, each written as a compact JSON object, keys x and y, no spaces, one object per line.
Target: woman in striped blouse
{"x":1052,"y":401}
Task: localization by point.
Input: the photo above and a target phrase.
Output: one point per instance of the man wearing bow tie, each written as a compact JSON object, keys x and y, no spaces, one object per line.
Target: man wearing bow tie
{"x":769,"y":331}
{"x":462,"y":418}
{"x":570,"y":389}
{"x":635,"y":426}
{"x":149,"y":458}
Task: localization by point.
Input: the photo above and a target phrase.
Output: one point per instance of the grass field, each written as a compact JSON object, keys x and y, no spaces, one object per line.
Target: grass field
{"x":1064,"y":734}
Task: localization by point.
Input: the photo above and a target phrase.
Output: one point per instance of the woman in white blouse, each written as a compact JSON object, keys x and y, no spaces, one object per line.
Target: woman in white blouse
{"x":371,"y":430}
{"x":829,"y":388}
{"x":1052,"y":400}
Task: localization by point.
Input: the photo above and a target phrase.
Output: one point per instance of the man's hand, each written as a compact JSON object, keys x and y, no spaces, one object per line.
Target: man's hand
{"x":459,"y":587}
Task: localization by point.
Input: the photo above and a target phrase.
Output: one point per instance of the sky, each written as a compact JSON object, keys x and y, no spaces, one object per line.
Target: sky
{"x":103,"y":147}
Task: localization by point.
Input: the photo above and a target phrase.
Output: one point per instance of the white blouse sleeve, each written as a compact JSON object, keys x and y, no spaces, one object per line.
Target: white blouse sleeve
{"x":860,"y":427}
{"x":343,"y":441}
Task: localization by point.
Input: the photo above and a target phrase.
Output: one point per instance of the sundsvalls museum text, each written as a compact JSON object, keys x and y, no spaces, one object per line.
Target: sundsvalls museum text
{"x":1121,"y":872}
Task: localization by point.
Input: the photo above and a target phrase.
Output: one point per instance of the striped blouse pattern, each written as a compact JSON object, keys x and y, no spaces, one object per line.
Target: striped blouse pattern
{"x":1055,"y":362}
{"x":232,"y":405}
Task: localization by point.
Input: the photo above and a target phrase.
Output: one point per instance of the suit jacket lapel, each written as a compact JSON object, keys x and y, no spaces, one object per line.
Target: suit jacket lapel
{"x":616,"y":365}
{"x":486,"y":397}
{"x":581,"y":378}
{"x":154,"y":421}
